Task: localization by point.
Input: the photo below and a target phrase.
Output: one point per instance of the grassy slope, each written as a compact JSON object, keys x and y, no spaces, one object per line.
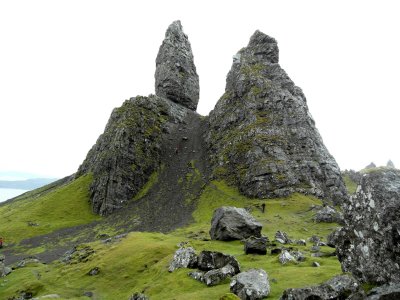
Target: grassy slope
{"x":64,"y":207}
{"x":139,"y":262}
{"x":350,"y":184}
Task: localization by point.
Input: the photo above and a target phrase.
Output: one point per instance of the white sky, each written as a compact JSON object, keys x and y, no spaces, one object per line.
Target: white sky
{"x":64,"y":65}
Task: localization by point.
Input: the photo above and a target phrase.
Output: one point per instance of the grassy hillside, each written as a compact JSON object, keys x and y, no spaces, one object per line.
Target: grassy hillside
{"x":63,"y":207}
{"x":139,"y":261}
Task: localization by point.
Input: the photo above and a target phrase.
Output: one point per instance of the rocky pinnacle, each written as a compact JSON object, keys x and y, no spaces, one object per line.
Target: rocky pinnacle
{"x":176,"y":76}
{"x":262,"y":135}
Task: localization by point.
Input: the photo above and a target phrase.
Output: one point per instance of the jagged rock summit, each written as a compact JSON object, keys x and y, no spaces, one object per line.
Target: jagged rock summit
{"x":176,"y":76}
{"x":262,"y":136}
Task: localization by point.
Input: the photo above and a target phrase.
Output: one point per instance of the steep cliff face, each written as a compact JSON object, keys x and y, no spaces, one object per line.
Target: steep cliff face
{"x":176,"y":76}
{"x":369,"y":244}
{"x":128,"y":151}
{"x":262,"y":135}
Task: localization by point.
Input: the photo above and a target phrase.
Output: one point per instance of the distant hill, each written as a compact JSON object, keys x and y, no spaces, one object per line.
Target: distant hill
{"x":28,"y":184}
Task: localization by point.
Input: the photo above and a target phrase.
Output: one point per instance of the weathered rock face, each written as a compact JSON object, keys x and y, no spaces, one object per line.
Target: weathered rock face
{"x":176,"y":77}
{"x":385,"y":292}
{"x":209,"y":260}
{"x":328,"y":214}
{"x":232,"y":223}
{"x":262,"y":135}
{"x":339,"y":287}
{"x":256,"y":245}
{"x":369,"y":244}
{"x":183,"y":258}
{"x":128,"y":151}
{"x":390,"y":164}
{"x":251,"y":285}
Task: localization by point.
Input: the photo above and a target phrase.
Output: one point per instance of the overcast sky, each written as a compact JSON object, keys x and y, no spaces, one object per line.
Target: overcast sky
{"x":64,"y":65}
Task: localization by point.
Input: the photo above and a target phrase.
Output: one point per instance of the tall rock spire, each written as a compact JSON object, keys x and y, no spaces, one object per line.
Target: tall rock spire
{"x":176,"y":76}
{"x":262,"y":135}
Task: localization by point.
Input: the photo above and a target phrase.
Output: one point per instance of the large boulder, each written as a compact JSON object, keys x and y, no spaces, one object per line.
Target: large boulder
{"x":251,"y":285}
{"x":262,"y":135}
{"x":369,"y":243}
{"x":176,"y":76}
{"x":231,"y":223}
{"x":339,"y":287}
{"x":183,"y":258}
{"x":255,"y":245}
{"x":210,"y":260}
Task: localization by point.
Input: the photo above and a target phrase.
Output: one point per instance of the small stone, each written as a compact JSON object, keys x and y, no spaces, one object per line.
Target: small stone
{"x":301,"y":242}
{"x":282,"y":237}
{"x":316,"y":264}
{"x":93,"y":272}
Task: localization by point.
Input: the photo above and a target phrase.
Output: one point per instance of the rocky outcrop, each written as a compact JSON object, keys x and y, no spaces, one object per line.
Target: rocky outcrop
{"x":215,"y":276}
{"x":339,"y":287}
{"x":128,"y":151}
{"x":232,"y":223}
{"x":385,"y":292}
{"x":251,"y":285}
{"x":183,"y":258}
{"x":370,"y":166}
{"x":369,"y":244}
{"x":176,"y":76}
{"x":328,"y":214}
{"x":215,"y":267}
{"x":390,"y":164}
{"x":262,"y":136}
{"x":209,"y":260}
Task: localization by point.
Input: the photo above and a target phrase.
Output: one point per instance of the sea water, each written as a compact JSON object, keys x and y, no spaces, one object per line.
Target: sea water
{"x":6,"y":194}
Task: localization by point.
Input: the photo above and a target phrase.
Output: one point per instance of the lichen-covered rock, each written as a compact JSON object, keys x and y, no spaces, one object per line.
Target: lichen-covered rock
{"x":216,"y":276}
{"x":262,"y":136}
{"x":333,"y":237}
{"x":128,"y":151}
{"x":369,"y":244}
{"x":251,"y":285}
{"x":328,"y":214}
{"x":282,"y":237}
{"x":138,"y":296}
{"x":339,"y":287}
{"x":385,"y":292}
{"x":285,"y":257}
{"x":255,"y":245}
{"x":210,"y":260}
{"x":176,"y":76}
{"x":183,"y":258}
{"x":232,"y":223}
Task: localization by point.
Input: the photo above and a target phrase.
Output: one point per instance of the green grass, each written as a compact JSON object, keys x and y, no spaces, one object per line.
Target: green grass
{"x":350,"y":184}
{"x":153,"y":179}
{"x":140,"y":261}
{"x":64,"y":207}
